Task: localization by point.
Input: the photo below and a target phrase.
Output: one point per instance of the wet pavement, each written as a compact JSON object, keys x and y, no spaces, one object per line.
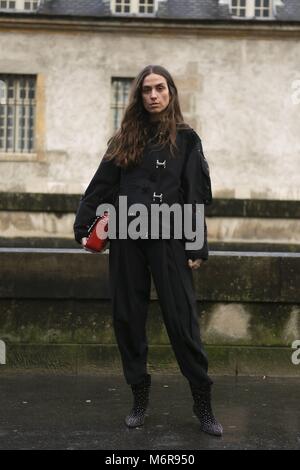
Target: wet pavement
{"x":40,"y":411}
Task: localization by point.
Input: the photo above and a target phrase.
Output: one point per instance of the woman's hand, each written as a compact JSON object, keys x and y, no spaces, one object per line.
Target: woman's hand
{"x":195,"y":264}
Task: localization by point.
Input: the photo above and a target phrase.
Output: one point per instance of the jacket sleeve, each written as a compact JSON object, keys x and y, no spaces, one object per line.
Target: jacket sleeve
{"x":101,"y":189}
{"x":196,"y":186}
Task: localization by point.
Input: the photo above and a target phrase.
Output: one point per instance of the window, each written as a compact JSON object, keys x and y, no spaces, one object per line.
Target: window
{"x":238,"y":8}
{"x":122,"y":6}
{"x":17,"y":113}
{"x":30,"y":5}
{"x":19,"y":5}
{"x":252,"y":8}
{"x":146,"y":6}
{"x":262,"y":8}
{"x":119,"y":99}
{"x":134,"y":7}
{"x":7,"y":5}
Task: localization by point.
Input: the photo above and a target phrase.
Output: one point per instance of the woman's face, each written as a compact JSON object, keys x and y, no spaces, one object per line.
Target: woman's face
{"x":155,"y":94}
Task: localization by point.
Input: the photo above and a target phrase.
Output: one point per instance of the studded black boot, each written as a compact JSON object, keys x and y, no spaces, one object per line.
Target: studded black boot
{"x":140,"y":392}
{"x":203,"y":411}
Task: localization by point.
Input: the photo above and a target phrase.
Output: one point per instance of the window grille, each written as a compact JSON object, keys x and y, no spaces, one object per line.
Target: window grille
{"x":17,"y":113}
{"x":134,"y":7}
{"x":238,"y":7}
{"x":262,"y":8}
{"x":119,"y":99}
{"x":19,"y":5}
{"x":7,"y":4}
{"x":122,"y":6}
{"x":146,"y":6}
{"x":252,"y":8}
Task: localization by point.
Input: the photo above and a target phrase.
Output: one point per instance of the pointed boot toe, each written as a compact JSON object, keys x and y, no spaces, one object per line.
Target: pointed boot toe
{"x":208,"y":423}
{"x":203,"y":410}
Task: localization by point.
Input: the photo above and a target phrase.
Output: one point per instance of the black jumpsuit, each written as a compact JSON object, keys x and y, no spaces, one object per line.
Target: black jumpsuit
{"x":159,"y":177}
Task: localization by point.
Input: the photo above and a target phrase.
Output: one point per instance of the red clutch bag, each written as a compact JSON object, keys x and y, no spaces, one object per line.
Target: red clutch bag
{"x":97,"y":239}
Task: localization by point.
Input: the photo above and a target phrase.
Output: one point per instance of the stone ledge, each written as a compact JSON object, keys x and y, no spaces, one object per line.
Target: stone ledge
{"x":58,"y":321}
{"x":77,"y":359}
{"x":59,"y":242}
{"x":226,"y":276}
{"x":221,"y":207}
{"x":38,"y":202}
{"x":282,"y":209}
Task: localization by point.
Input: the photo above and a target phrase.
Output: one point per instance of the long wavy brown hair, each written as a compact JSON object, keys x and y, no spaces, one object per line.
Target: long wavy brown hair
{"x":128,"y":142}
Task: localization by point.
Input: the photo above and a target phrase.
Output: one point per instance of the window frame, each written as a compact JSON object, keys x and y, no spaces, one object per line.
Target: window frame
{"x":20,"y":5}
{"x":134,"y":8}
{"x":39,"y":129}
{"x":250,"y":11}
{"x":116,"y":106}
{"x":261,"y":8}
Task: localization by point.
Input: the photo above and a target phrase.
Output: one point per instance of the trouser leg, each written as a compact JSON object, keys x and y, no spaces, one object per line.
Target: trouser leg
{"x":174,"y":285}
{"x":130,"y":283}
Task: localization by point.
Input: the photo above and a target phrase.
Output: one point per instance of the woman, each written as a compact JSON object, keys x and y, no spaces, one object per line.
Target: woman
{"x":153,"y":158}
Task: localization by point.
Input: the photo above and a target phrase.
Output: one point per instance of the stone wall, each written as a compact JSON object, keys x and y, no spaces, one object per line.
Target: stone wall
{"x":55,"y":312}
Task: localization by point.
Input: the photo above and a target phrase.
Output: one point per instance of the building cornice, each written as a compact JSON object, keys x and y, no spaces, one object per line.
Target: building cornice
{"x":149,"y":25}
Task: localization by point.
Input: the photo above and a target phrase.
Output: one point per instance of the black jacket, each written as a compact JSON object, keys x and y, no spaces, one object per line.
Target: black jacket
{"x":158,"y":177}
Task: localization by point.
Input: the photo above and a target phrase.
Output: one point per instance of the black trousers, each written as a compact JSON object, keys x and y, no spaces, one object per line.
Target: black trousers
{"x":131,"y":263}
